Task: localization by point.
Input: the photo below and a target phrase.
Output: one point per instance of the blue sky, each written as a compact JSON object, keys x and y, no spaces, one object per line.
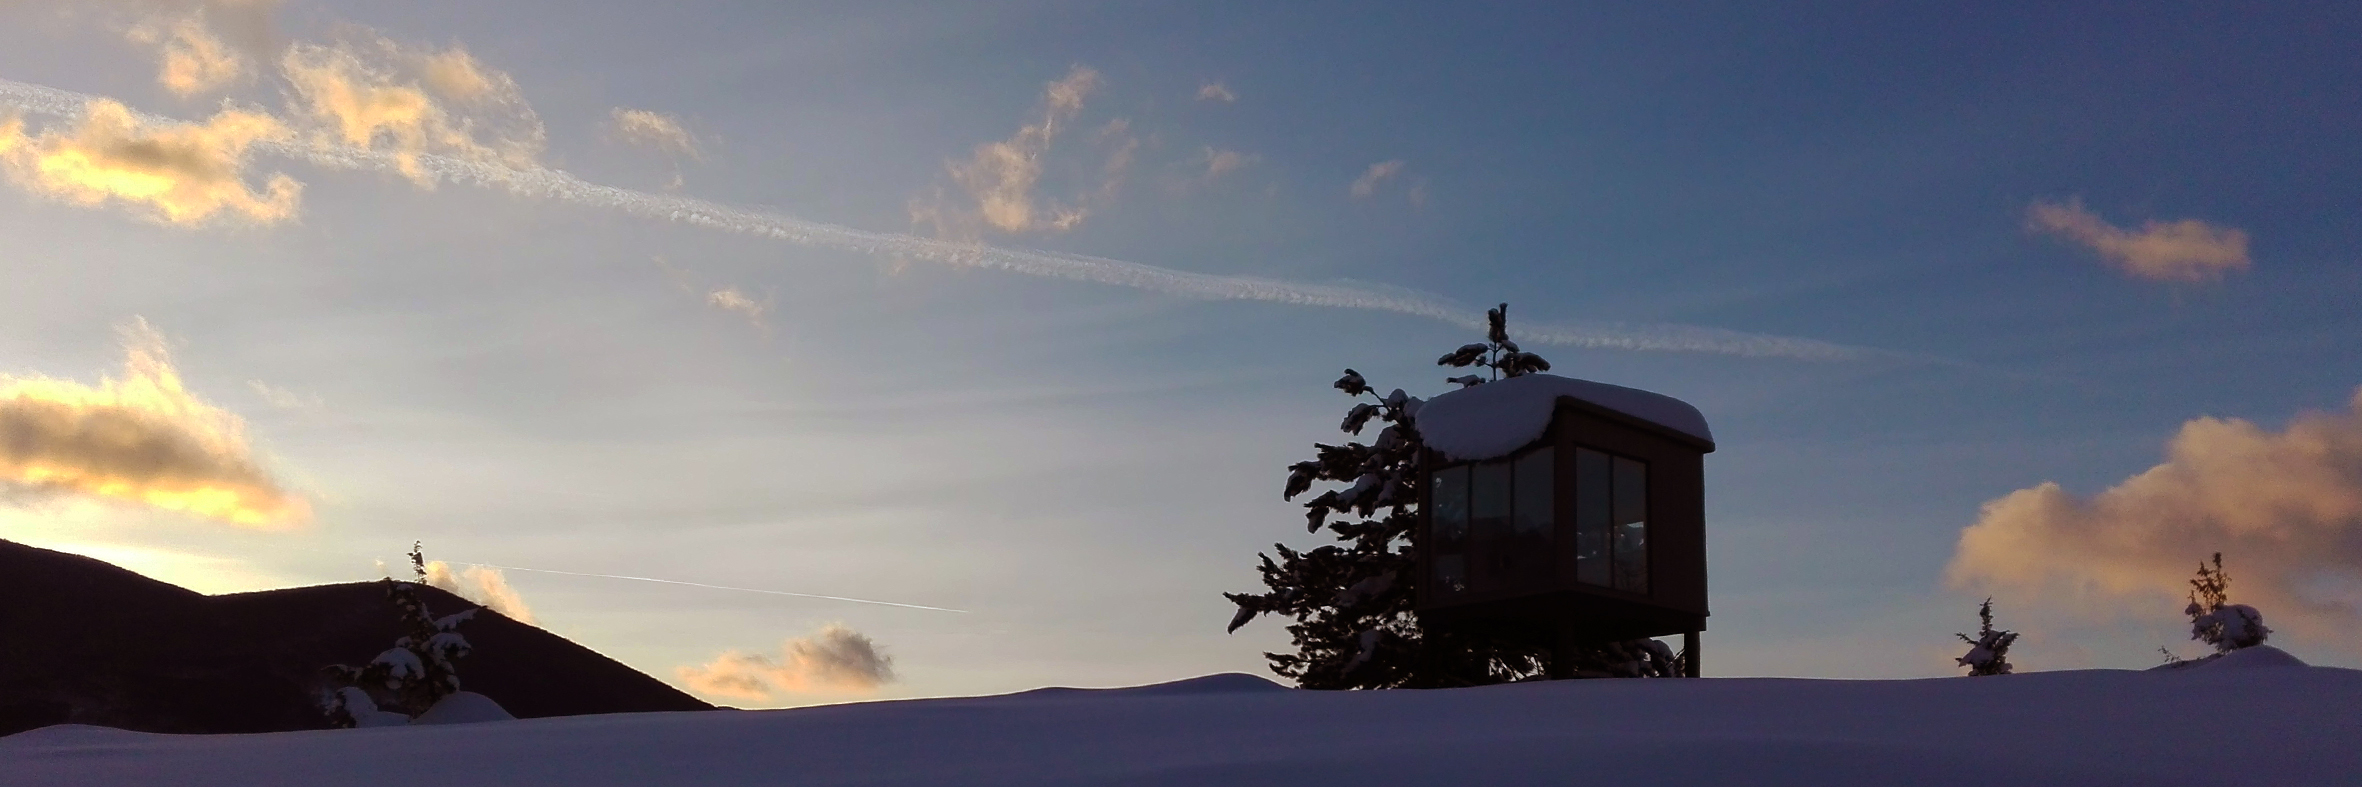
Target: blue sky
{"x":527,"y":381}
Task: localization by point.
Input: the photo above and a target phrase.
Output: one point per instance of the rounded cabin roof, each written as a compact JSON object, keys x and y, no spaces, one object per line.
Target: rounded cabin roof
{"x":1493,"y":419}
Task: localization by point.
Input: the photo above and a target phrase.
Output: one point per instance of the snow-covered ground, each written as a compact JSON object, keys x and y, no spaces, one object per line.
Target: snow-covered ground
{"x":2241,"y":721}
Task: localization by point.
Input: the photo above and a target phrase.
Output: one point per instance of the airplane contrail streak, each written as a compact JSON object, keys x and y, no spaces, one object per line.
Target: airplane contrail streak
{"x":716,"y":587}
{"x":555,"y":184}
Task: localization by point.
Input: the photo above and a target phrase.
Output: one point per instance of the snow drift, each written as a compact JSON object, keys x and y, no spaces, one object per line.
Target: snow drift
{"x":2215,"y":725}
{"x":464,"y":707}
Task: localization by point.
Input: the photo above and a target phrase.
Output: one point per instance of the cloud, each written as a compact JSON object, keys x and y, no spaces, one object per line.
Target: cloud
{"x":2186,"y":250}
{"x":652,"y":129}
{"x":1122,"y":147}
{"x":729,"y":299}
{"x":192,"y":59}
{"x":726,"y":298}
{"x":481,"y":584}
{"x":282,"y":398}
{"x":1223,"y":161}
{"x":142,"y":439}
{"x":1000,"y":177}
{"x":1216,"y":91}
{"x":369,"y":92}
{"x":182,"y":174}
{"x":833,"y":659}
{"x":455,"y":74}
{"x":244,"y":24}
{"x":1378,"y":173}
{"x":2285,"y":509}
{"x":544,"y":183}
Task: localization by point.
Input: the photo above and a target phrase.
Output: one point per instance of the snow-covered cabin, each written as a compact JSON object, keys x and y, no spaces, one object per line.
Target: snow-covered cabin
{"x":1566,"y":509}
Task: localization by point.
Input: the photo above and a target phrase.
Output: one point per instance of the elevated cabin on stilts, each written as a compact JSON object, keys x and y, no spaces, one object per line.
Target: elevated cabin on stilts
{"x":1565,"y":510}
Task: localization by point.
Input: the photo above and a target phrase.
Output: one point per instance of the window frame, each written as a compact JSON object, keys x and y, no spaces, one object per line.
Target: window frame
{"x":1562,"y":529}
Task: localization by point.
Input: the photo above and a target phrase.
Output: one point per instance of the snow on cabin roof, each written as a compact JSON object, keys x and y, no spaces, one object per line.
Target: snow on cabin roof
{"x":1501,"y":416}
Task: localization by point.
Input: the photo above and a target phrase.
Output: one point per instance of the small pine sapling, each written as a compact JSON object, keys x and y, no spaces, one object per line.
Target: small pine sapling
{"x":416,"y":672}
{"x":2216,"y":621}
{"x":1988,"y":651}
{"x":1497,"y":353}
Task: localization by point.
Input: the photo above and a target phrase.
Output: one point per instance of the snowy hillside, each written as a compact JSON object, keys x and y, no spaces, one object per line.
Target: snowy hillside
{"x":2248,"y":720}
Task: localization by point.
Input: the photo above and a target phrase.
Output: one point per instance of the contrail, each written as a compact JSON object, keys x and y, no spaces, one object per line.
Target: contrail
{"x":555,"y":184}
{"x":718,"y":587}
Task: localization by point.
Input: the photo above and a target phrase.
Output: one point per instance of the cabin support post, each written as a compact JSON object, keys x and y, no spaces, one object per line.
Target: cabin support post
{"x":1562,"y":652}
{"x":1689,"y":651}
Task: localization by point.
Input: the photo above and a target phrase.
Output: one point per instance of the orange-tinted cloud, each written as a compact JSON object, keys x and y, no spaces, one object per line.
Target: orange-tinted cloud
{"x":730,"y":299}
{"x":192,"y":59}
{"x":177,"y":173}
{"x":481,"y":584}
{"x":654,"y":130}
{"x":2186,"y":250}
{"x":142,"y":439}
{"x":1216,"y":91}
{"x":370,"y":92}
{"x":833,"y":659}
{"x":2285,"y":509}
{"x":1000,"y":178}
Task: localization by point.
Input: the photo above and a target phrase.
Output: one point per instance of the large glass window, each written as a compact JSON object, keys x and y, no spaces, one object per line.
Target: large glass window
{"x":1611,"y":521}
{"x":1448,"y":543}
{"x":1493,"y":524}
{"x":1594,"y":506}
{"x":1488,"y":522}
{"x":1631,"y":525}
{"x":1527,"y":559}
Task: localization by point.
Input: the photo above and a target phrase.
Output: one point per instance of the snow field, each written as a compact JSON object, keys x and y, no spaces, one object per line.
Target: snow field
{"x":2233,"y":722}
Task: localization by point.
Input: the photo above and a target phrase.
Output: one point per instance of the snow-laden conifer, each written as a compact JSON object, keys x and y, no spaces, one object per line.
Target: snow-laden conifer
{"x":1352,"y":601}
{"x":416,"y":672}
{"x":1988,"y":651}
{"x":2214,"y":620}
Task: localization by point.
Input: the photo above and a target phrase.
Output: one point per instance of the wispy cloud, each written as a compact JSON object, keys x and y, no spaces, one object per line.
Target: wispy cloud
{"x":191,"y":59}
{"x":729,"y":299}
{"x":2285,"y":509}
{"x":654,"y":130}
{"x":2185,"y":250}
{"x":455,"y":74}
{"x":1000,"y":178}
{"x":143,"y":439}
{"x":1220,"y":162}
{"x":481,"y":584}
{"x":1122,"y":147}
{"x":833,"y":659}
{"x":176,"y":173}
{"x":282,"y":398}
{"x":244,"y":25}
{"x":1216,"y":91}
{"x":546,"y":183}
{"x":1371,"y":178}
{"x":368,"y":92}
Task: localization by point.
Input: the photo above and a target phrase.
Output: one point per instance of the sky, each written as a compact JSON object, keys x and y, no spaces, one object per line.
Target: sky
{"x":1014,"y":314}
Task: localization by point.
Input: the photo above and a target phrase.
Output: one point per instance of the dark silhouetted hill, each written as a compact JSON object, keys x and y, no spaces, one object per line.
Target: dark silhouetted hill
{"x":86,"y":642}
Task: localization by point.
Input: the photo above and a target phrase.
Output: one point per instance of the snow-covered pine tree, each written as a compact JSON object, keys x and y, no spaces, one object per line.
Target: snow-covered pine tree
{"x":416,"y":672}
{"x":1988,"y":651}
{"x":2216,"y":621}
{"x":1352,"y":600}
